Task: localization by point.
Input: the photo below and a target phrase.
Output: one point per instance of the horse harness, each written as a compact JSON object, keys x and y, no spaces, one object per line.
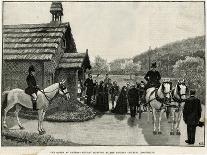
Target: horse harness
{"x":159,"y":99}
{"x":61,"y":87}
{"x":180,"y":100}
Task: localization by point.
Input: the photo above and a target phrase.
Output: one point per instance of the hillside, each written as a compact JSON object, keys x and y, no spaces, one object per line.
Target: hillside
{"x":167,"y":55}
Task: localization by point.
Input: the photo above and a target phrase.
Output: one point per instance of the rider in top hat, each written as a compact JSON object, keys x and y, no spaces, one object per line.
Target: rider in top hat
{"x":152,"y":77}
{"x":32,"y":86}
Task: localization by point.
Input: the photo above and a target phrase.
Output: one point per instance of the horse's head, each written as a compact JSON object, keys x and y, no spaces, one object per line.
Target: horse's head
{"x":166,"y":87}
{"x":181,"y":90}
{"x":63,"y":90}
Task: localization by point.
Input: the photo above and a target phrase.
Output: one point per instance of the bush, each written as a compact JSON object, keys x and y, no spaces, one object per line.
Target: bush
{"x":75,"y":111}
{"x":22,"y":138}
{"x":192,"y":69}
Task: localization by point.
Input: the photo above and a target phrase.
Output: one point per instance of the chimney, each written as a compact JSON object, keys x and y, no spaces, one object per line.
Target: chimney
{"x":56,"y":10}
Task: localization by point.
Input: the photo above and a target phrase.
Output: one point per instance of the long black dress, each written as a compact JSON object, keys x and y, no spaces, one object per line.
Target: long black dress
{"x":100,"y":104}
{"x":121,"y":105}
{"x":106,"y":98}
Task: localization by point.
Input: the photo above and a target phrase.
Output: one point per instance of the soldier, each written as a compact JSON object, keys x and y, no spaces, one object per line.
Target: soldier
{"x":32,"y":88}
{"x":191,"y":116}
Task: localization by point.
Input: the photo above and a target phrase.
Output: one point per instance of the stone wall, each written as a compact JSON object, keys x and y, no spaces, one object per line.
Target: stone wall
{"x":15,"y":72}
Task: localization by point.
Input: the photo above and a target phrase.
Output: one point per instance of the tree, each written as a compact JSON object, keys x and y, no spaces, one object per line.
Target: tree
{"x":100,"y":66}
{"x":192,"y":69}
{"x":132,"y":68}
{"x":117,"y":66}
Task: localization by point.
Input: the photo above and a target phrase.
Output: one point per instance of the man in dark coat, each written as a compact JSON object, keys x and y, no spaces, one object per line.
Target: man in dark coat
{"x":191,"y":116}
{"x":114,"y":91}
{"x":107,"y":80}
{"x":32,"y":86}
{"x":95,"y":90}
{"x":89,"y":88}
{"x":152,"y":77}
{"x":133,"y":98}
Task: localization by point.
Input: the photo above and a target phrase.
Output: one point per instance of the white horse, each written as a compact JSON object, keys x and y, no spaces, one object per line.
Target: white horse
{"x":158,"y":98}
{"x":18,"y":98}
{"x":177,"y":105}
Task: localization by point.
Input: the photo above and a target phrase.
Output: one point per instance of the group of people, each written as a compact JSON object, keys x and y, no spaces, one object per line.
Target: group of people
{"x":129,"y":95}
{"x":99,"y":95}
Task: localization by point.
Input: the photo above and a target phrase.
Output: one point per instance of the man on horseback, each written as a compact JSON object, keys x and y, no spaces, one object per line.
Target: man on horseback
{"x":153,"y":78}
{"x":32,"y":88}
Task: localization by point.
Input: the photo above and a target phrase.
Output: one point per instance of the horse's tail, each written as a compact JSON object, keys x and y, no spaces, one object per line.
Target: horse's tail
{"x":4,"y":101}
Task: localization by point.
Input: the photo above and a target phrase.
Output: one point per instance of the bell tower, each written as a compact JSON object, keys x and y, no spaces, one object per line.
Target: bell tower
{"x":56,"y":10}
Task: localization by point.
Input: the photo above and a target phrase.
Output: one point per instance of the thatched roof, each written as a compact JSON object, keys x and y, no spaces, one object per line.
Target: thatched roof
{"x":35,"y":41}
{"x":75,"y":60}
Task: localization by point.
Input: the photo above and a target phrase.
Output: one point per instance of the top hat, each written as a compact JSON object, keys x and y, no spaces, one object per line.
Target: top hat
{"x":31,"y":69}
{"x":154,"y":65}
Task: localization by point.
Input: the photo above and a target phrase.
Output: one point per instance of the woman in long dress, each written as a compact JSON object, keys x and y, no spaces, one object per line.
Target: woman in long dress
{"x":106,"y":98}
{"x":100,"y":98}
{"x":121,"y":105}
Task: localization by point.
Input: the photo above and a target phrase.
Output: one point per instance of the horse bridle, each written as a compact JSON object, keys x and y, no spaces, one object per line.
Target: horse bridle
{"x":165,"y":93}
{"x":61,"y":87}
{"x":179,"y":94}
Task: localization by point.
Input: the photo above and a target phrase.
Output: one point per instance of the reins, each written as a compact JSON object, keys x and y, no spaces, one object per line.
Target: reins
{"x":159,"y":99}
{"x":47,"y":97}
{"x":50,"y":99}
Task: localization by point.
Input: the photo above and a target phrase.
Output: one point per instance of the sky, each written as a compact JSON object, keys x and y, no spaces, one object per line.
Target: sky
{"x":116,"y":29}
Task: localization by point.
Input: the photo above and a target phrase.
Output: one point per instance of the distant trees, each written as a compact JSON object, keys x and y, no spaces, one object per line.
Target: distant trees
{"x":117,"y":66}
{"x":100,"y":66}
{"x":167,"y":55}
{"x":192,"y":69}
{"x":132,"y":68}
{"x":124,"y":66}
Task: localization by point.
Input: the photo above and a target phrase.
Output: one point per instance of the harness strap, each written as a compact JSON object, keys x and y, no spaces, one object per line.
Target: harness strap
{"x":161,"y":100}
{"x":151,"y":95}
{"x":176,"y":99}
{"x":49,"y":99}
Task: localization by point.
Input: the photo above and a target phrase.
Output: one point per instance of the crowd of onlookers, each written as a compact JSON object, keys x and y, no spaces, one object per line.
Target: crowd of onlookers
{"x":100,"y":94}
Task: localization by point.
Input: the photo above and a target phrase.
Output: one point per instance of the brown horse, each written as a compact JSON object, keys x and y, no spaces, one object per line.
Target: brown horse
{"x":18,"y":98}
